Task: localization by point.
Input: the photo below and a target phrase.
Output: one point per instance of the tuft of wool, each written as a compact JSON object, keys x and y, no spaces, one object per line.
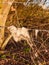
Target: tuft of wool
{"x":19,"y":33}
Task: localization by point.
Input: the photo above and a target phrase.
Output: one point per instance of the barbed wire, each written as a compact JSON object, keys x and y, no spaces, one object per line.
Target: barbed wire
{"x":27,"y":28}
{"x":42,"y":45}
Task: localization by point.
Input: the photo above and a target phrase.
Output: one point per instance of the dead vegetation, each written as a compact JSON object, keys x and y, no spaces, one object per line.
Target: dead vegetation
{"x":20,"y":53}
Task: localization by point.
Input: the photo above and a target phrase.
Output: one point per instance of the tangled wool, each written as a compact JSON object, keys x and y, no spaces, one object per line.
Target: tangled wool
{"x":19,"y":33}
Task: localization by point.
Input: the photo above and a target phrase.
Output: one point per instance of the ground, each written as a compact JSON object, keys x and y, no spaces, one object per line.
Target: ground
{"x":20,"y":53}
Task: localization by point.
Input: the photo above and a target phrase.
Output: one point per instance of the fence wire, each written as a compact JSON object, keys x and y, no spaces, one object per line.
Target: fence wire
{"x":40,"y":54}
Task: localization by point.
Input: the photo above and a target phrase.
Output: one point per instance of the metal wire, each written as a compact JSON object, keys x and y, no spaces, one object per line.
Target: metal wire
{"x":42,"y":45}
{"x":27,"y":28}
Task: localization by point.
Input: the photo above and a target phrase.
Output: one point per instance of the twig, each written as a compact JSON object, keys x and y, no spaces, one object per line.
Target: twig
{"x":6,"y":42}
